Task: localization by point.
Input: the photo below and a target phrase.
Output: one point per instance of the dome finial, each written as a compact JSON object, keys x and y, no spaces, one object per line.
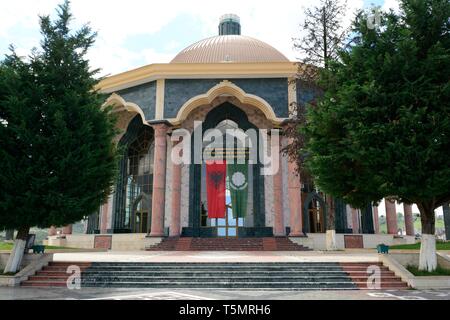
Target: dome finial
{"x":230,"y":24}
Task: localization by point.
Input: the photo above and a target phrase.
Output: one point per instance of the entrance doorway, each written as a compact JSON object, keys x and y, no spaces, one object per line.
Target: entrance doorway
{"x":316,"y":219}
{"x":141,"y":225}
{"x":314,"y":214}
{"x":223,"y":117}
{"x":226,"y":227}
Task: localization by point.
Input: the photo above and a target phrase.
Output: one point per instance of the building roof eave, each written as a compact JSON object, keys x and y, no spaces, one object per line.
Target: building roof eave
{"x":196,"y":71}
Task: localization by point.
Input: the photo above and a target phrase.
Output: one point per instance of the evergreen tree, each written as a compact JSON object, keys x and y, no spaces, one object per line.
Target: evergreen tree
{"x":58,"y":159}
{"x":324,"y":37}
{"x":383,"y":127}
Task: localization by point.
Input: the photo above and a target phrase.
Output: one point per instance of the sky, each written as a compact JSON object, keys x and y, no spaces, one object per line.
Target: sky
{"x":135,"y":33}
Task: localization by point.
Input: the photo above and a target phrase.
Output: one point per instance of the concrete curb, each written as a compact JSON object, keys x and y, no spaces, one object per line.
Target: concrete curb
{"x":27,"y":271}
{"x":421,"y":283}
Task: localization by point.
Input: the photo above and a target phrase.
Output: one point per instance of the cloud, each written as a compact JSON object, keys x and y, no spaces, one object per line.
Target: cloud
{"x":275,"y":22}
{"x":391,"y":4}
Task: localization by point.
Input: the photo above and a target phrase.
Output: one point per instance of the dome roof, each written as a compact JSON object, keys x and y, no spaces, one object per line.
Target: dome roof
{"x":229,"y":48}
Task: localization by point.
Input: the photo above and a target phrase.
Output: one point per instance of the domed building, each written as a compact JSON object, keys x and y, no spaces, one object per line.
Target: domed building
{"x":226,"y":82}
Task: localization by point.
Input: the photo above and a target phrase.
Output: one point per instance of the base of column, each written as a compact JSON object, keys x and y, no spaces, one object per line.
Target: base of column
{"x":175,"y":235}
{"x":297,"y":235}
{"x":155,"y":235}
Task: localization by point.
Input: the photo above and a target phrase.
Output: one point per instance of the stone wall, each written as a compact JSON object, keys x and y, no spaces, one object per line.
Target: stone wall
{"x":144,"y":96}
{"x":179,"y":91}
{"x":316,"y":241}
{"x":120,"y":242}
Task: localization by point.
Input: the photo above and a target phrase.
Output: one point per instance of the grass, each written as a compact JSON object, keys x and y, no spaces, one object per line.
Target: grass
{"x":416,"y":246}
{"x":5,"y":246}
{"x":419,"y":273}
{"x":417,"y":224}
{"x":8,"y":246}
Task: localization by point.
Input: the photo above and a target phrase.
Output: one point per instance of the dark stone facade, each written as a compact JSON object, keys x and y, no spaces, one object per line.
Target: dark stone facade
{"x":179,"y":91}
{"x":144,"y":96}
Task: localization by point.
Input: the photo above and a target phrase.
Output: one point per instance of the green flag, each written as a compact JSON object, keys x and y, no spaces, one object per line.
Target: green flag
{"x":238,"y":185}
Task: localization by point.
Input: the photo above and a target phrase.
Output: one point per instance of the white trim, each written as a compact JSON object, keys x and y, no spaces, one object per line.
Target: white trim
{"x":119,"y":104}
{"x":160,"y":92}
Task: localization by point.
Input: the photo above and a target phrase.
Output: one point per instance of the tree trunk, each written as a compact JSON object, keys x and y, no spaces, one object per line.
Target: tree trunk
{"x":16,"y":256}
{"x":330,"y":237}
{"x":325,"y":38}
{"x":427,"y":259}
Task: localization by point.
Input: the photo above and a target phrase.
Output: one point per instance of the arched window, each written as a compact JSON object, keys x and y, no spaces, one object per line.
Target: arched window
{"x":139,"y":184}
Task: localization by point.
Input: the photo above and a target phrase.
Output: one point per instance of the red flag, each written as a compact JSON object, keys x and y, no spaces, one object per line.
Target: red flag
{"x":215,"y":188}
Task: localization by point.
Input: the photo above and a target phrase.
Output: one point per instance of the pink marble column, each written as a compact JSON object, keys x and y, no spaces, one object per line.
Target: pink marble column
{"x":175,"y":222}
{"x":295,"y":199}
{"x":376,"y":222}
{"x":409,"y":221}
{"x":391,"y":217}
{"x":159,"y":180}
{"x":52,"y":231}
{"x":278,"y":223}
{"x":67,"y":229}
{"x":355,"y":220}
{"x":104,"y":215}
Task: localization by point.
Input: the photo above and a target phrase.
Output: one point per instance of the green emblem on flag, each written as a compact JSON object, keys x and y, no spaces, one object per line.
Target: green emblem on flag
{"x":238,"y":185}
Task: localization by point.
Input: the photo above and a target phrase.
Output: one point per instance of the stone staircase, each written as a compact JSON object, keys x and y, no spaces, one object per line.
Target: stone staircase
{"x":242,"y":276}
{"x":227,"y":244}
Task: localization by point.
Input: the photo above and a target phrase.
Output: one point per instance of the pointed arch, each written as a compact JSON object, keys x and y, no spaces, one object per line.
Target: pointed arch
{"x":120,"y":105}
{"x":226,"y":88}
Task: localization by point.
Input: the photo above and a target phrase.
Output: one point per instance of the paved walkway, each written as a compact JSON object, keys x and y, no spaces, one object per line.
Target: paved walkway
{"x":184,"y":294}
{"x":219,"y":256}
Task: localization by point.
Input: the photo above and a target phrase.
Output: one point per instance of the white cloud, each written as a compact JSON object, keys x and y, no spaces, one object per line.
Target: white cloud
{"x":275,"y":22}
{"x":391,"y":4}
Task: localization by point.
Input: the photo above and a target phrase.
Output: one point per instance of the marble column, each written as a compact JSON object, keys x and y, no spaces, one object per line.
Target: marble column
{"x":376,"y":221}
{"x":52,"y":231}
{"x":355,"y":220}
{"x":409,"y":219}
{"x":295,"y":199}
{"x":391,"y":216}
{"x":278,"y":222}
{"x":67,"y":229}
{"x":159,"y":180}
{"x":175,"y":222}
{"x":105,"y":215}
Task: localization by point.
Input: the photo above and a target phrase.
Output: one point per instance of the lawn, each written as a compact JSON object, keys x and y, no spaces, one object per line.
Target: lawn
{"x":401,"y":223}
{"x":416,"y":246}
{"x":5,"y":246}
{"x":438,"y":272}
{"x":8,"y":246}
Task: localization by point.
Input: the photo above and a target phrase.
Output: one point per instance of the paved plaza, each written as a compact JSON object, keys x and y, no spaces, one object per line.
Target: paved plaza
{"x":19,"y":293}
{"x":172,"y":294}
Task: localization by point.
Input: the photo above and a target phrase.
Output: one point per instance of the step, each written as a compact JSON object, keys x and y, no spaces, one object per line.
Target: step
{"x":231,"y":275}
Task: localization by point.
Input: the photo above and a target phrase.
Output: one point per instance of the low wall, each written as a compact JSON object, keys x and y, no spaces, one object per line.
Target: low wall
{"x":316,"y":241}
{"x":397,"y":262}
{"x":118,"y":242}
{"x":30,"y":264}
{"x":27,"y":259}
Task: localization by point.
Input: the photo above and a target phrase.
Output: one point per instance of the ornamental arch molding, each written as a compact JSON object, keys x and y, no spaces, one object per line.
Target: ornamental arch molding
{"x":126,"y":112}
{"x":225,"y":88}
